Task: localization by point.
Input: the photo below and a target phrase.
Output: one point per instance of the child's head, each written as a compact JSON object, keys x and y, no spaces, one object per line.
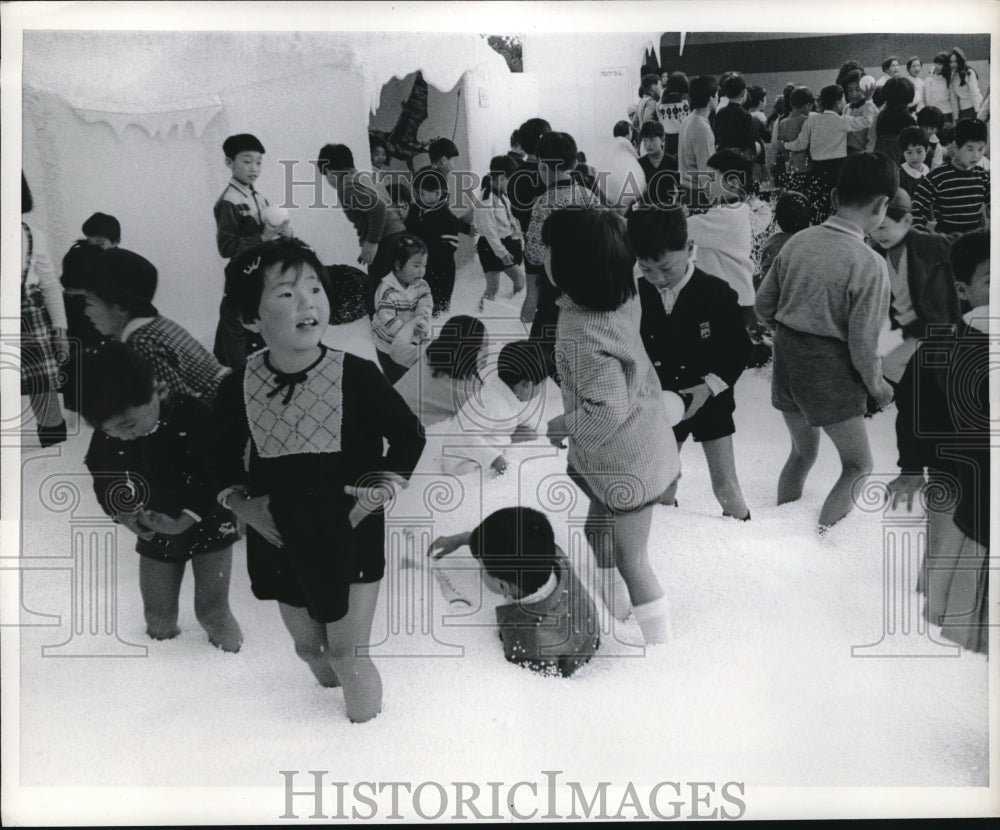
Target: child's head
{"x":244,"y":155}
{"x":930,"y":120}
{"x":970,"y":264}
{"x":378,"y":150}
{"x":897,"y":221}
{"x":652,"y":135}
{"x":334,"y":160}
{"x":957,"y":63}
{"x":120,"y":395}
{"x":515,"y":142}
{"x":441,"y":152}
{"x":429,"y":186}
{"x":792,"y":212}
{"x":913,"y":144}
{"x":735,"y":176}
{"x":866,"y":183}
{"x":409,"y":258}
{"x":521,"y":366}
{"x":530,"y":131}
{"x":80,"y":265}
{"x":899,"y":91}
{"x":517,"y":549}
{"x":940,"y":62}
{"x":459,"y":350}
{"x":556,"y":153}
{"x":280,"y":292}
{"x":102,"y":230}
{"x":734,"y":87}
{"x":622,"y":129}
{"x":588,"y":257}
{"x":756,"y":98}
{"x":677,"y":84}
{"x":652,"y":86}
{"x":891,"y":65}
{"x":659,"y":237}
{"x":703,"y":92}
{"x":802,"y":99}
{"x":831,"y":98}
{"x":914,"y":66}
{"x":851,"y":84}
{"x":119,"y":288}
{"x":970,"y":142}
{"x":501,"y":167}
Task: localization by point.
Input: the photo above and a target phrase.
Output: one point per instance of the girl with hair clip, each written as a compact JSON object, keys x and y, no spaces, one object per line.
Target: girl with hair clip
{"x":501,"y":241}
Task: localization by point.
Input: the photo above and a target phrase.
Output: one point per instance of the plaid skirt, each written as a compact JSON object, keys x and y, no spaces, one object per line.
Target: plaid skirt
{"x":40,"y":370}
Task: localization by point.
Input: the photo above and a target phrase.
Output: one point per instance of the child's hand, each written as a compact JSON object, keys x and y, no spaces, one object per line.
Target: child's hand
{"x":368,"y":251}
{"x":444,"y":545}
{"x":132,"y":522}
{"x":556,"y":431}
{"x":270,"y":232}
{"x":499,"y":465}
{"x":699,"y":394}
{"x":904,"y":486}
{"x":256,"y":512}
{"x":883,"y":397}
{"x":507,"y":260}
{"x":162,"y":523}
{"x":377,"y":493}
{"x":450,"y":239}
{"x":422,"y":328}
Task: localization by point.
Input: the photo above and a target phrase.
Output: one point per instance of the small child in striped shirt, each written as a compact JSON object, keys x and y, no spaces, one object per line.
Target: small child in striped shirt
{"x":403,"y":308}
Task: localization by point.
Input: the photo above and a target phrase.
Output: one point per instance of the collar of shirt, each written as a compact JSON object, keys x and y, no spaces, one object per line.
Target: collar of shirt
{"x":669,"y":294}
{"x":133,"y":325}
{"x":542,"y":593}
{"x":978,"y":318}
{"x":839,"y":224}
{"x":246,"y":190}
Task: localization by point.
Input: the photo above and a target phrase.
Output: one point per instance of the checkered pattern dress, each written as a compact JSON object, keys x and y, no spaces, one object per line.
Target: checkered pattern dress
{"x":39,"y":363}
{"x":178,"y":360}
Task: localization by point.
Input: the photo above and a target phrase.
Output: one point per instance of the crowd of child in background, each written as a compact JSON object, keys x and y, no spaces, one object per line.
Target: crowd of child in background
{"x":834,"y":237}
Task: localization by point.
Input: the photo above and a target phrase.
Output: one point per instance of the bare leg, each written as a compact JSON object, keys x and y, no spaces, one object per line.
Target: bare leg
{"x":631,"y":552}
{"x":160,"y":585}
{"x":516,"y":274}
{"x":349,"y":639}
{"x":851,"y":440}
{"x":310,"y":641}
{"x":805,"y":446}
{"x":530,"y":302}
{"x":600,"y":531}
{"x":722,"y":469}
{"x":211,"y":599}
{"x":492,"y":286}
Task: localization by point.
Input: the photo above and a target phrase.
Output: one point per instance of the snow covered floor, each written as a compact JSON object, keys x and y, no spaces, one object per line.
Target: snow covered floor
{"x":759,"y":685}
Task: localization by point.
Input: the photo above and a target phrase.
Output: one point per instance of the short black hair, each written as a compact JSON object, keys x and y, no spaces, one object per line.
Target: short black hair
{"x":557,"y":149}
{"x":912,"y":137}
{"x":103,"y":224}
{"x":377,"y":141}
{"x":515,"y":139}
{"x":503,"y":164}
{"x":677,"y":84}
{"x":968,"y":252}
{"x":521,"y":360}
{"x":27,"y":203}
{"x":865,"y":176}
{"x":241,"y":143}
{"x":649,"y":80}
{"x":651,"y":129}
{"x":530,"y":131}
{"x":455,"y":351}
{"x":898,"y":91}
{"x":793,"y":212}
{"x":969,"y":129}
{"x":441,"y":148}
{"x":900,"y":206}
{"x":125,"y":279}
{"x":930,"y":117}
{"x":622,"y":129}
{"x":429,"y":178}
{"x":941,"y":58}
{"x":702,"y":89}
{"x":591,"y":259}
{"x":114,"y":378}
{"x":80,"y":265}
{"x":853,"y":76}
{"x":756,"y":95}
{"x":829,"y":95}
{"x":733,"y":86}
{"x":800,"y":96}
{"x":335,"y":158}
{"x":888,"y":62}
{"x":736,"y":169}
{"x":653,"y":230}
{"x":516,"y":545}
{"x":246,"y":272}
{"x":946,"y":134}
{"x":406,"y":246}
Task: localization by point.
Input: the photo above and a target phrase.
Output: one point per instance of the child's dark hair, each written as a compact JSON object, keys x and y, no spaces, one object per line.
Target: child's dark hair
{"x":499,"y":166}
{"x":124,"y":278}
{"x":516,"y":545}
{"x":829,"y":95}
{"x":592,"y":260}
{"x":557,"y":150}
{"x":792,"y":211}
{"x":851,"y":77}
{"x":800,"y":96}
{"x":405,"y":247}
{"x":27,"y":203}
{"x":969,"y":129}
{"x":865,"y":176}
{"x":888,"y":62}
{"x":103,"y":224}
{"x":755,"y":96}
{"x":532,"y":130}
{"x":335,"y":158}
{"x":115,"y":379}
{"x":677,"y":84}
{"x":646,"y":85}
{"x":968,"y":252}
{"x":431,"y":180}
{"x":245,"y":274}
{"x":515,"y":140}
{"x":702,"y":89}
{"x":441,"y":148}
{"x":930,"y":117}
{"x":622,"y":129}
{"x":736,"y":170}
{"x":946,"y":134}
{"x":912,"y":137}
{"x":80,"y":265}
{"x":241,"y":143}
{"x":898,"y":91}
{"x":653,"y":230}
{"x":521,"y":360}
{"x":733,"y":86}
{"x":849,"y":66}
{"x":963,"y":66}
{"x":911,"y":61}
{"x":455,"y":351}
{"x":651,"y":129}
{"x":900,"y":206}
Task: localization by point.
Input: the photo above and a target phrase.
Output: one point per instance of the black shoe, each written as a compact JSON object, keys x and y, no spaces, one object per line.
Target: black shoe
{"x":760,"y":354}
{"x":50,"y":436}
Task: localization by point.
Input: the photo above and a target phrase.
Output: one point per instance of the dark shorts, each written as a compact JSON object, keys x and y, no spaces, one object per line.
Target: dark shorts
{"x":490,"y":261}
{"x":315,"y":569}
{"x":215,"y":532}
{"x":714,"y":420}
{"x":814,"y":376}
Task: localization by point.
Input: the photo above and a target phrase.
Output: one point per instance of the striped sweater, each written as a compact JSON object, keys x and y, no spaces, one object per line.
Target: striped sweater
{"x":954,"y":198}
{"x":397,"y":308}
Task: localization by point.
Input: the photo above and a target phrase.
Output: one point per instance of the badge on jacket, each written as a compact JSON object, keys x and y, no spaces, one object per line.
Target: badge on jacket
{"x":706,"y":330}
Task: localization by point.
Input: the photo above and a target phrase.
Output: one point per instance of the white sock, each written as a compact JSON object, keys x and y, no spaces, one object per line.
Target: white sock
{"x":654,"y":620}
{"x":614,"y":592}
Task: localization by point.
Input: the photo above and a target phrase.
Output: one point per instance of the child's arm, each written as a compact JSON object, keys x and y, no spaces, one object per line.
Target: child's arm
{"x":361,"y":198}
{"x":801,"y":141}
{"x":444,"y":545}
{"x":385,"y":409}
{"x":915,"y":451}
{"x":602,"y":405}
{"x":852,"y":123}
{"x":923,"y":202}
{"x":387,"y":321}
{"x":533,"y":240}
{"x":868,"y":310}
{"x":425,"y":304}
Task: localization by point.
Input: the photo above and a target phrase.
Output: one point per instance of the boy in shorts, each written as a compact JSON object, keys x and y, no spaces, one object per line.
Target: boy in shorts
{"x":827,"y":297}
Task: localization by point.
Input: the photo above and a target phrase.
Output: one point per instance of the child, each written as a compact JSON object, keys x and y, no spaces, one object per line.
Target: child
{"x":913,"y":144}
{"x":79,"y":261}
{"x":431,"y":219}
{"x":858,"y":89}
{"x":931,"y":122}
{"x":963,"y":87}
{"x":894,"y":117}
{"x":239,"y":224}
{"x":315,"y":420}
{"x":148,"y":459}
{"x":403,"y":307}
{"x":920,"y":279}
{"x":914,"y":66}
{"x":936,"y":93}
{"x":659,"y":168}
{"x":696,"y":141}
{"x":497,"y":414}
{"x":734,"y":126}
{"x":785,"y":163}
{"x":102,"y":230}
{"x":792,"y":213}
{"x":673,"y":109}
{"x":118,"y":292}
{"x":943,"y":425}
{"x":551,"y":625}
{"x":650,"y":89}
{"x":827,"y":297}
{"x":956,"y":195}
{"x":500,"y":244}
{"x":694,"y":333}
{"x":621,"y":451}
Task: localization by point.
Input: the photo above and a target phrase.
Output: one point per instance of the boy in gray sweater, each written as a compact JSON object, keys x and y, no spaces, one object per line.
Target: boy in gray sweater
{"x":827,"y":298}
